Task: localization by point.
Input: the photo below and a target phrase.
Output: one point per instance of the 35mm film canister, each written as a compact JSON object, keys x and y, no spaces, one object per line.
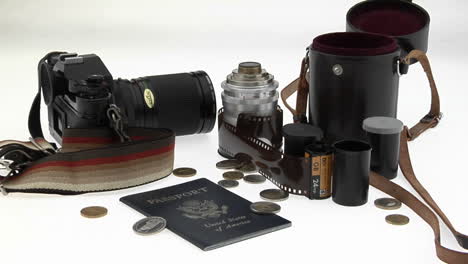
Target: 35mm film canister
{"x":298,"y":135}
{"x":320,"y":157}
{"x":384,"y":137}
{"x":351,"y":172}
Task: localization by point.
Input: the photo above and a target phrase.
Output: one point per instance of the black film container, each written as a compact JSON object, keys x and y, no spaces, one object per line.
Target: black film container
{"x":407,"y":22}
{"x":351,"y":172}
{"x":384,"y":137}
{"x":297,"y":136}
{"x":352,"y":76}
{"x":320,"y":157}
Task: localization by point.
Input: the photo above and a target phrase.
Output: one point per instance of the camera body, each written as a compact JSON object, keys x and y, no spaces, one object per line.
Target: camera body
{"x":79,"y":89}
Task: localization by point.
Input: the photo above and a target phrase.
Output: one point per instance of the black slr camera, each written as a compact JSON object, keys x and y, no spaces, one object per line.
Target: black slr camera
{"x":79,"y":90}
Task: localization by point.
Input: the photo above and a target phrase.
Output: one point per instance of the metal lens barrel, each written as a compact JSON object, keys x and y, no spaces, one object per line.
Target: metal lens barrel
{"x":249,"y":90}
{"x":183,"y":102}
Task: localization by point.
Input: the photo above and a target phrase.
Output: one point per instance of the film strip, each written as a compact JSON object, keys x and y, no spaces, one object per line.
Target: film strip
{"x":259,"y":140}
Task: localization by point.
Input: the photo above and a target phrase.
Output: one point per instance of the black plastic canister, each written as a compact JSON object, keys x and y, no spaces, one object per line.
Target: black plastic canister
{"x":351,"y":172}
{"x":384,"y":136}
{"x":352,"y":76}
{"x":297,"y":136}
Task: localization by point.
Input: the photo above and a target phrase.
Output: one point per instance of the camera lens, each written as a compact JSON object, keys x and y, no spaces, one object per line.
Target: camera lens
{"x":249,"y":89}
{"x":183,"y":102}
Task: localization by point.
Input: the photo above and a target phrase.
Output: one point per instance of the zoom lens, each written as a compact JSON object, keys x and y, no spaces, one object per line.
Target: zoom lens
{"x":183,"y":102}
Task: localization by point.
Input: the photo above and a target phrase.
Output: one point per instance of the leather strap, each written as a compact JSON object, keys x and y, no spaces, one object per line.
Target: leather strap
{"x":433,"y":117}
{"x":429,"y":121}
{"x":396,"y":191}
{"x":301,"y":86}
{"x":407,"y":169}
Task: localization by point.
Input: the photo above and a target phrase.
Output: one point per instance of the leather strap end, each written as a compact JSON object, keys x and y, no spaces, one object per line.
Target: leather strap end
{"x":300,"y":118}
{"x":287,"y":91}
{"x":462,"y":240}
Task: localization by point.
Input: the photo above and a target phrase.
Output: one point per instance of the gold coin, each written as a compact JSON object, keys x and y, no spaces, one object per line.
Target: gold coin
{"x":228,"y":164}
{"x":265,"y":208}
{"x":233,"y":175}
{"x":387,"y":203}
{"x":276,"y":195}
{"x":94,"y":212}
{"x":254,"y":178}
{"x":184,"y":172}
{"x":397,"y":219}
{"x":248,"y":167}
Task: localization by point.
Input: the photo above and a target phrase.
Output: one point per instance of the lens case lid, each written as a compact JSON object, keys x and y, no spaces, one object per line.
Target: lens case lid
{"x":391,"y":18}
{"x":407,"y":22}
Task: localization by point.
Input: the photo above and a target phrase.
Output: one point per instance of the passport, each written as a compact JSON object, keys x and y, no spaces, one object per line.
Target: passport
{"x":205,"y":214}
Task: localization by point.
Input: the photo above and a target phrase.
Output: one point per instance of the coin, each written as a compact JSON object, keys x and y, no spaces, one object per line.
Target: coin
{"x":248,"y":167}
{"x":228,"y":183}
{"x":387,"y":203}
{"x":93,"y":211}
{"x":397,"y":219}
{"x":265,"y":208}
{"x":150,"y":225}
{"x":228,"y":164}
{"x":184,"y":172}
{"x":254,"y":178}
{"x":274,"y":195}
{"x":233,"y":175}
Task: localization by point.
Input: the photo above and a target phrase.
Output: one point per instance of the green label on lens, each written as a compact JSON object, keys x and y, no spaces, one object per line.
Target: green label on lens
{"x":149,"y":98}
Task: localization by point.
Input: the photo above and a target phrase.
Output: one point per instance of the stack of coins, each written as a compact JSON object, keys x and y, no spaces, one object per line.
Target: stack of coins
{"x":237,"y":168}
{"x":392,"y":204}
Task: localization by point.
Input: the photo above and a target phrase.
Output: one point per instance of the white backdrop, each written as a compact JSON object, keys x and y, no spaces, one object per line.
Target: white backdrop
{"x":139,"y":38}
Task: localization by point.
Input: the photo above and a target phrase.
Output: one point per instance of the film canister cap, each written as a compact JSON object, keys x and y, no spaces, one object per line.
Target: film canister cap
{"x":297,"y":136}
{"x":382,"y":125}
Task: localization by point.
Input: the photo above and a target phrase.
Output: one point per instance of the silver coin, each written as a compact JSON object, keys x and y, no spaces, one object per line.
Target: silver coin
{"x":233,"y":175}
{"x":228,"y":164}
{"x":387,"y":203}
{"x":150,"y":225}
{"x":265,"y":208}
{"x":274,"y":195}
{"x":228,"y":183}
{"x":254,"y":178}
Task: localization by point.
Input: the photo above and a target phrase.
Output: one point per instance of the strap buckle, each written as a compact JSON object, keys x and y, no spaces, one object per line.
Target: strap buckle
{"x":3,"y":190}
{"x":117,"y":123}
{"x":4,"y":166}
{"x":431,"y":118}
{"x":47,"y":152}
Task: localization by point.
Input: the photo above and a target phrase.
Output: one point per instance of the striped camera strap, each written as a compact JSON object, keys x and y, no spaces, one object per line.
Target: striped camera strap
{"x":90,"y":160}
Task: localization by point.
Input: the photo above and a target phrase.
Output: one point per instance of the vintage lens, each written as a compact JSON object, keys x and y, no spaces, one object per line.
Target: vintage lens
{"x":183,"y":102}
{"x":249,"y":89}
